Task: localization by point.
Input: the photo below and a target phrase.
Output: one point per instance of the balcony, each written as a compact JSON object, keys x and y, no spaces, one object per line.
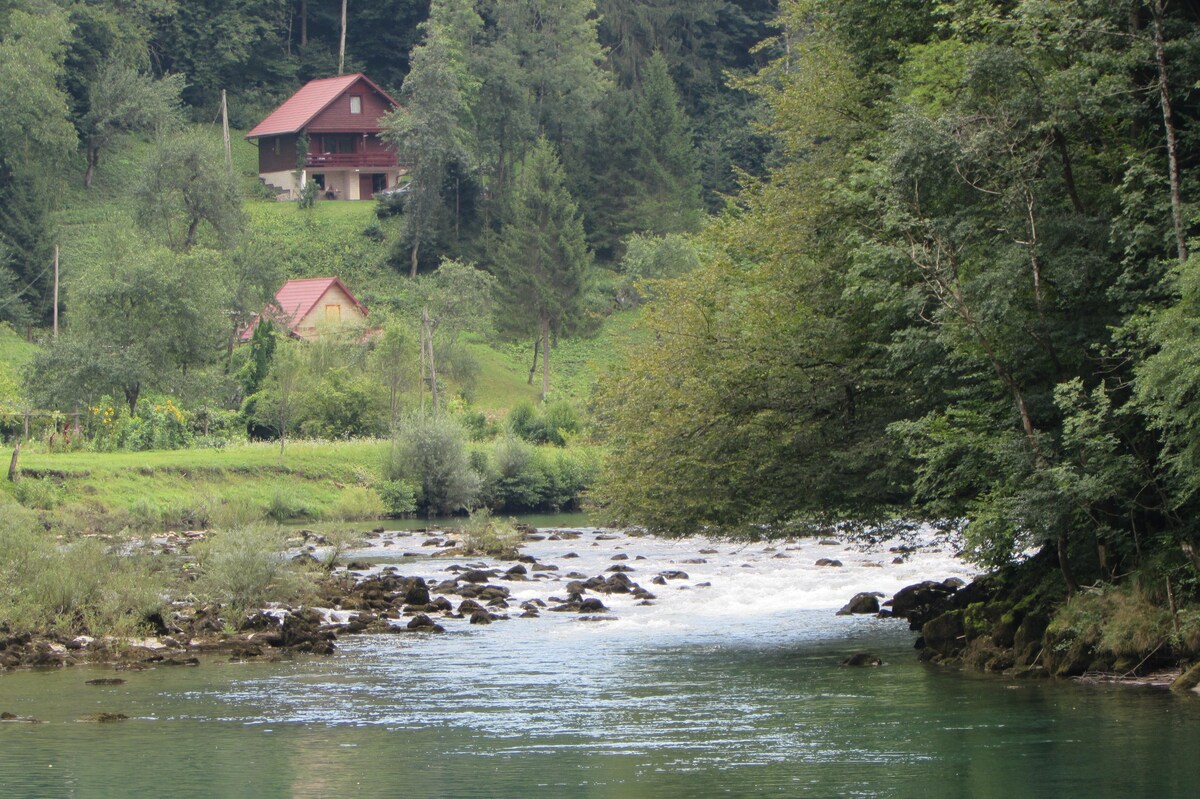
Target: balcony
{"x":351,"y":161}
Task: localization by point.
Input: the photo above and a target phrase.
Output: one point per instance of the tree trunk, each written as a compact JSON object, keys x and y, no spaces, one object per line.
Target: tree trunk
{"x":12,"y":465}
{"x":190,"y":239}
{"x":1064,"y":563}
{"x":131,"y":396}
{"x":537,"y":341}
{"x":1160,"y":53}
{"x":427,"y":335}
{"x":304,"y":23}
{"x":545,"y":355}
{"x":93,"y":158}
{"x":416,"y":250}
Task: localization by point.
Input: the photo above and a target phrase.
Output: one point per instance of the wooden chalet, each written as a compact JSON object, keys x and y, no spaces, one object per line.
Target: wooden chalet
{"x":345,"y":156}
{"x":305,"y":308}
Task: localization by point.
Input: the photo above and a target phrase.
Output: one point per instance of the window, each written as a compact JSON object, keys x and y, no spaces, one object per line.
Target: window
{"x":355,"y":104}
{"x":339,"y":143}
{"x":333,"y":313}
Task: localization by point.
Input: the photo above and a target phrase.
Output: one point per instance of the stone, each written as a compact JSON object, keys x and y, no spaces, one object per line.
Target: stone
{"x":423,"y":623}
{"x":863,"y":659}
{"x":592,"y":605}
{"x":828,"y":562}
{"x":864,"y":602}
{"x":673,"y":574}
{"x":481,"y":617}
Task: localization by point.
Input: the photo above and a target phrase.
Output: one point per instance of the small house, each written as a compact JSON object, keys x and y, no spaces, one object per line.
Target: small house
{"x":304,"y":308}
{"x":328,"y":133}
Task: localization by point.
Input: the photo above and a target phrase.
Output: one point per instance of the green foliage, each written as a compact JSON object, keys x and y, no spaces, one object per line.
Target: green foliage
{"x":40,"y":494}
{"x":398,"y":497}
{"x":485,"y":535}
{"x":139,"y":320}
{"x":339,"y":405}
{"x":186,"y":185}
{"x":542,"y":263}
{"x":430,"y":452}
{"x":76,"y":588}
{"x":288,"y":503}
{"x":246,"y":567}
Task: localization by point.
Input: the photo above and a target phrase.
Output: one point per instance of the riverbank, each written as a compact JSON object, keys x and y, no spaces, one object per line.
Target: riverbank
{"x":1019,"y":623}
{"x":189,"y":489}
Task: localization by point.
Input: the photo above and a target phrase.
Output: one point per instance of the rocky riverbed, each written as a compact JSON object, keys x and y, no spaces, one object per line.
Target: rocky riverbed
{"x":422,"y":583}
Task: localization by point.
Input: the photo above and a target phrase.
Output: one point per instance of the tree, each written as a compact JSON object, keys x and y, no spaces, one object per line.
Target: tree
{"x":138,"y":321}
{"x":542,"y":263}
{"x":394,"y":360}
{"x":124,"y":100}
{"x":185,"y":184}
{"x":455,"y":298}
{"x":36,"y":138}
{"x":432,"y":128}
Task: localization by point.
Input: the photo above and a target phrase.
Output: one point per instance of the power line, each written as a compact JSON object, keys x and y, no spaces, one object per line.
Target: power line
{"x":28,"y":286}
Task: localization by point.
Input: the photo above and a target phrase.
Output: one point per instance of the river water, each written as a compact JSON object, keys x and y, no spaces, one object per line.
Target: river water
{"x":731,"y":689}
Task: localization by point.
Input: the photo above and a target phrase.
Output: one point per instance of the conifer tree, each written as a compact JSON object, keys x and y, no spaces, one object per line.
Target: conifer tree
{"x":665,"y":162}
{"x":542,"y":261}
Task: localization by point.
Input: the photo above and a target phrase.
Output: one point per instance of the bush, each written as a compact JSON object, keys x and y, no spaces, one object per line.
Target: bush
{"x":430,"y":452}
{"x":42,"y":493}
{"x":353,"y":504}
{"x":398,"y":497}
{"x":517,"y":478}
{"x":341,"y":405}
{"x":560,"y":422}
{"x":77,"y":588}
{"x":246,"y":567}
{"x":485,"y":535}
{"x":286,"y":504}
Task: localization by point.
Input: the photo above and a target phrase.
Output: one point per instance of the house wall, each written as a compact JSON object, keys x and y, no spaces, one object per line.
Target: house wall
{"x":312,"y":324}
{"x":271,"y":161}
{"x":337,"y":116}
{"x":284,"y":181}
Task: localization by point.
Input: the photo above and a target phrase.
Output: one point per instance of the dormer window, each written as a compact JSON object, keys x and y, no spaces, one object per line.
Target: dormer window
{"x":355,"y":104}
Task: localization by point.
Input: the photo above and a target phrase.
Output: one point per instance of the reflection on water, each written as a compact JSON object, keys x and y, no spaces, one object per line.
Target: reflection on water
{"x":730,"y":690}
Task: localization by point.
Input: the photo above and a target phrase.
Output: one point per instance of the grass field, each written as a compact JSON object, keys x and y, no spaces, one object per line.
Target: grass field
{"x":195,"y":487}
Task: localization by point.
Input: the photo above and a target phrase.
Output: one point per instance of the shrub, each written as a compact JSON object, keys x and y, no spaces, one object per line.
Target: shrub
{"x":246,"y":567}
{"x":398,"y":496}
{"x":517,"y":479}
{"x":485,"y":535}
{"x":287,"y":504}
{"x":42,"y":493}
{"x":80,"y":587}
{"x":355,"y":503}
{"x":430,"y":452}
{"x":560,"y":422}
{"x":341,"y":405}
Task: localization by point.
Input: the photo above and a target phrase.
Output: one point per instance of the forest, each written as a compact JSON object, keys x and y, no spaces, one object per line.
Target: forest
{"x":894,"y":261}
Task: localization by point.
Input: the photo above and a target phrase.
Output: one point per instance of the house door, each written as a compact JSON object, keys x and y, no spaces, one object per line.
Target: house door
{"x":365,"y":191}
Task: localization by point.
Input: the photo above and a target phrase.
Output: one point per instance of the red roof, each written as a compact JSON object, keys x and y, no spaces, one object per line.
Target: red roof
{"x":296,"y":298}
{"x":312,"y":98}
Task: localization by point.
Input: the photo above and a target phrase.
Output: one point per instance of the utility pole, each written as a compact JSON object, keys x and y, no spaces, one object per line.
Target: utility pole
{"x":225,"y":134}
{"x":55,"y":291}
{"x":342,"y":46}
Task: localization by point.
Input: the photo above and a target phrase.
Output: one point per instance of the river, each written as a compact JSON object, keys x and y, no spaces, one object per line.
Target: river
{"x":730,"y":689}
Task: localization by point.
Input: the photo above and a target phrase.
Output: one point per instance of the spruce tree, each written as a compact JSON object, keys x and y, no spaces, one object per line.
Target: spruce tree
{"x":542,"y":261}
{"x":664,"y":157}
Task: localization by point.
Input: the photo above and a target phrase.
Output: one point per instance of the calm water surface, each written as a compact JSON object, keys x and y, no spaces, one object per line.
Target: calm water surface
{"x":727,"y":690}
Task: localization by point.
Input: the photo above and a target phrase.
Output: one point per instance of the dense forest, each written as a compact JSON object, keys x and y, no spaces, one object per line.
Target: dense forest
{"x":966,"y":292}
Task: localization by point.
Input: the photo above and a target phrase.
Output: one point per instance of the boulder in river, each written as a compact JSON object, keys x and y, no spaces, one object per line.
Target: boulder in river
{"x":863,"y":659}
{"x":828,"y":562}
{"x":422,"y":623}
{"x":864,"y":602}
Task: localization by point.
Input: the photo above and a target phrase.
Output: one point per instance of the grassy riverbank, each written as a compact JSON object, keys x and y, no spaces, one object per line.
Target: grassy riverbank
{"x":105,"y":492}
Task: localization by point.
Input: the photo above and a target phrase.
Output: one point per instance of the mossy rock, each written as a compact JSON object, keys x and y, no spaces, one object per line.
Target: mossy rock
{"x":1188,"y":681}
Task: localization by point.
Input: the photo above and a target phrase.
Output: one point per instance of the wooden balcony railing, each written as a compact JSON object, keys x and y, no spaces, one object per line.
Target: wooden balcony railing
{"x":352,"y":160}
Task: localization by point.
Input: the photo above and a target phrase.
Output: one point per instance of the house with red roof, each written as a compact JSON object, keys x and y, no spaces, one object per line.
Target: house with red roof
{"x":339,"y":118}
{"x":305,"y":308}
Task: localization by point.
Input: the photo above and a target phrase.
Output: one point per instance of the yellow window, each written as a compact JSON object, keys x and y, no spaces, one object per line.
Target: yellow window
{"x":333,"y":313}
